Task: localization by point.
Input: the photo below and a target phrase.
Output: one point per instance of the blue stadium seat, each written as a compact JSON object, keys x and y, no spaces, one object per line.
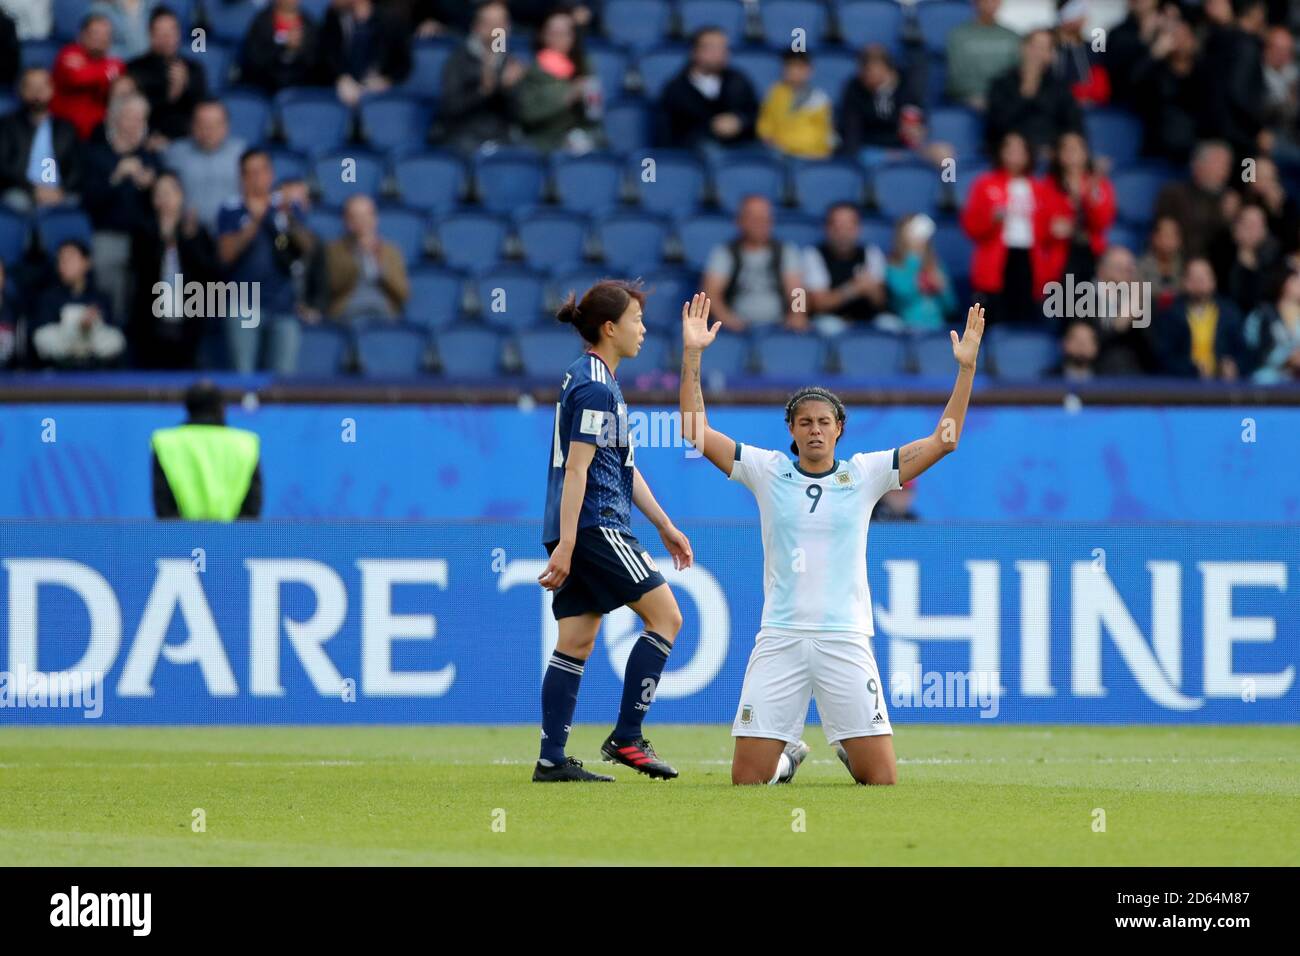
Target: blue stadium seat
{"x":936,"y":79}
{"x":578,"y":282}
{"x":229,"y":22}
{"x":469,"y":352}
{"x":780,"y":18}
{"x":435,"y":299}
{"x":313,"y":122}
{"x":588,"y":184}
{"x":391,"y":351}
{"x":872,"y":21}
{"x":659,"y":66}
{"x":510,"y":298}
{"x":1113,"y":133}
{"x":902,"y":189}
{"x":1136,"y":190}
{"x":832,"y":70}
{"x":638,"y":24}
{"x":326,"y":223}
{"x":217,"y":61}
{"x":954,"y":249}
{"x":627,"y":126}
{"x":877,"y":232}
{"x":39,"y":53}
{"x":65,"y":19}
{"x":315,"y":9}
{"x":699,"y":234}
{"x":736,"y":179}
{"x":60,"y":223}
{"x":553,"y":240}
{"x":1134,"y":240}
{"x":802,"y":230}
{"x":610,"y":64}
{"x":932,"y":354}
{"x":404,"y":228}
{"x":959,"y":126}
{"x":790,"y":355}
{"x":250,"y":115}
{"x":547,"y":352}
{"x":322,"y":351}
{"x":431,"y":182}
{"x":966,"y":174}
{"x":470,"y":241}
{"x":1022,"y":353}
{"x":726,"y":15}
{"x":729,"y":356}
{"x":817,"y":186}
{"x":509,"y":182}
{"x":668,"y":289}
{"x":13,"y":236}
{"x":632,"y":243}
{"x":289,"y":165}
{"x":8,"y":102}
{"x":391,"y":120}
{"x":678,"y":186}
{"x":871,"y":353}
{"x":364,"y":171}
{"x":760,"y":65}
{"x":428,"y":57}
{"x":936,"y":20}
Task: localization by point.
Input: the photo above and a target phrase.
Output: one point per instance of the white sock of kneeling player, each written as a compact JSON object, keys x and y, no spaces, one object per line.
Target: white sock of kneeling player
{"x":783,"y":768}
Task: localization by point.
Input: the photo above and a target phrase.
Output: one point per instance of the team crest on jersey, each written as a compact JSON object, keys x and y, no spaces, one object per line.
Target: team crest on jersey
{"x":844,"y":478}
{"x":747,"y":714}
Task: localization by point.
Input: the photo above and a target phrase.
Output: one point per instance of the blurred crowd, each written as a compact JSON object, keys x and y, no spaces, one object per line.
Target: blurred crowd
{"x":124,"y":128}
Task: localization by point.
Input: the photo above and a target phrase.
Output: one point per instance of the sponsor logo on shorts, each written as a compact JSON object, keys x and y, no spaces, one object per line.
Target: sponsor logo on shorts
{"x":649,"y":562}
{"x":878,"y":719}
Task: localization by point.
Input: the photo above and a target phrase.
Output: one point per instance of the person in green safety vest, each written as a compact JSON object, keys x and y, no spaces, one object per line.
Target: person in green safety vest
{"x":204,"y":470}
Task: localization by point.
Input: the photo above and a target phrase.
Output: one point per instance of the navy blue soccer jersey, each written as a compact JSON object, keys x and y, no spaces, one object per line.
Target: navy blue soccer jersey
{"x":591,"y":409}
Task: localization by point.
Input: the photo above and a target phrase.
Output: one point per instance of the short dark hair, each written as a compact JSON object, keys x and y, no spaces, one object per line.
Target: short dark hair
{"x":249,"y":153}
{"x":90,"y":18}
{"x":795,"y":56}
{"x":203,"y":402}
{"x":160,"y":12}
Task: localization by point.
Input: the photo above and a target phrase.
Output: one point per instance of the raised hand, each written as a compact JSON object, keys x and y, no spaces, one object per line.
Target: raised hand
{"x":696,"y":333}
{"x":965,"y":349}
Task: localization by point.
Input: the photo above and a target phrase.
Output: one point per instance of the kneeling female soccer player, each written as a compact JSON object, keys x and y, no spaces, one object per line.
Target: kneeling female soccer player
{"x":815,"y":635}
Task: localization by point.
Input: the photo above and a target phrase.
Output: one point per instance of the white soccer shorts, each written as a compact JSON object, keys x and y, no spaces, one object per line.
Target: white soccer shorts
{"x":838,"y":670}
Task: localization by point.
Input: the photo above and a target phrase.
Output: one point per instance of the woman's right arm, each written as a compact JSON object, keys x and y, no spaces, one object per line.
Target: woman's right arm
{"x":696,"y":337}
{"x":572,"y":493}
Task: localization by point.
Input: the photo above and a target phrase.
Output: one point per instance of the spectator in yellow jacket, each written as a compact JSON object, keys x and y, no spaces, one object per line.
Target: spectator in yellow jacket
{"x":796,"y":117}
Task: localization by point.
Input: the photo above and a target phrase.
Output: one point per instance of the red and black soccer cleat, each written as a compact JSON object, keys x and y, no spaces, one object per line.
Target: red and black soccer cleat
{"x":638,"y":755}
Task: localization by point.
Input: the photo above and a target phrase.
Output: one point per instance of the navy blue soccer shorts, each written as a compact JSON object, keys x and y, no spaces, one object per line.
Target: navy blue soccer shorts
{"x":609,"y":569}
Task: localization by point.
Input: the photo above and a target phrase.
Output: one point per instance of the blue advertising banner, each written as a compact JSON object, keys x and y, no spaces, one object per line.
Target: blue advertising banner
{"x":443,"y":622}
{"x":404,"y":462}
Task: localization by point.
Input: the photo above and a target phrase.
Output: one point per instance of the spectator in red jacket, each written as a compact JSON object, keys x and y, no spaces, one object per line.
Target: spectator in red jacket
{"x":83,"y":73}
{"x":1000,"y":218}
{"x":1076,"y":206}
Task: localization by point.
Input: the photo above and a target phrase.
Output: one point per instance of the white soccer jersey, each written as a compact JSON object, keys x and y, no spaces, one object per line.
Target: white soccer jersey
{"x":815,"y":537}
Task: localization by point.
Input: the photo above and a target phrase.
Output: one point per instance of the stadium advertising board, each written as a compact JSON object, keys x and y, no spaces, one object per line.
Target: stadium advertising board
{"x":443,"y":622}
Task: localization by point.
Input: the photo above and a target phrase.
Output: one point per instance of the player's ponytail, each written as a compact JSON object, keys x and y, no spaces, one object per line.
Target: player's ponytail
{"x":606,"y":301}
{"x":818,"y":394}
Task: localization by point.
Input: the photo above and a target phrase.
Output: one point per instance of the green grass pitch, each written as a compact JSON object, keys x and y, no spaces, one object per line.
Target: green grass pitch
{"x":461,"y":795}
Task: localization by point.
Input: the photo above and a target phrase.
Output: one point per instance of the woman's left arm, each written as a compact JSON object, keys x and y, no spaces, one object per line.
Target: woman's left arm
{"x":915,"y":457}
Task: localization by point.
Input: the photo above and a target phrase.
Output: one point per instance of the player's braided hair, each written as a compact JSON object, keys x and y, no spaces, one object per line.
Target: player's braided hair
{"x":814,"y":393}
